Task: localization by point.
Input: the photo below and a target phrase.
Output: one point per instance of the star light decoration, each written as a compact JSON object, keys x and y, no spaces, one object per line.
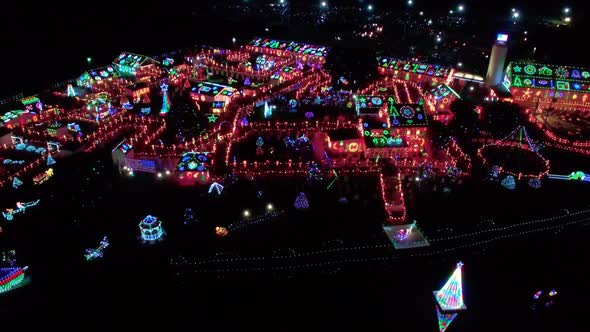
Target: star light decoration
{"x":212,"y":118}
{"x":164,"y":86}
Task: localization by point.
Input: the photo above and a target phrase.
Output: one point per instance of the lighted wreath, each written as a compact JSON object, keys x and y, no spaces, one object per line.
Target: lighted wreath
{"x":515,"y":155}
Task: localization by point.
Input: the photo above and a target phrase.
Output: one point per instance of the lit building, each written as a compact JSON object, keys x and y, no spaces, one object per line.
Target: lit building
{"x":137,"y":90}
{"x":555,"y":84}
{"x":411,"y":70}
{"x":135,"y":65}
{"x":219,"y":96}
{"x":306,"y":53}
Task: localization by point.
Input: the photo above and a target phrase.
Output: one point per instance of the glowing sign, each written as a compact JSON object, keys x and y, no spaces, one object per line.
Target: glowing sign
{"x":502,"y":37}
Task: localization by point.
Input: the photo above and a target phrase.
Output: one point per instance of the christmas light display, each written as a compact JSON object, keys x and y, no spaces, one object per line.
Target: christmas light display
{"x":518,"y":140}
{"x":71,"y":92}
{"x":535,"y":183}
{"x":301,"y":202}
{"x":20,"y":208}
{"x":221,"y":231}
{"x":43,"y":177}
{"x":151,"y":228}
{"x":574,"y":176}
{"x":11,"y":277}
{"x":16,"y":182}
{"x":189,"y":216}
{"x":8,"y":257}
{"x":444,"y":319}
{"x":194,"y":162}
{"x":450,"y":297}
{"x":165,"y":99}
{"x":387,"y":63}
{"x":216,"y":188}
{"x":50,"y":160}
{"x":298,"y":48}
{"x":96,"y":253}
{"x":269,"y":215}
{"x":508,"y":182}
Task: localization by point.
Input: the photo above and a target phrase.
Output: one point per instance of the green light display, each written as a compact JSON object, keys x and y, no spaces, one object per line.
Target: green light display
{"x":540,"y":76}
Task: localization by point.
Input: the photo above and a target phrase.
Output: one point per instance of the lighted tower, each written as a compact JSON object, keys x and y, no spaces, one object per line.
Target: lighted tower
{"x":497,"y":59}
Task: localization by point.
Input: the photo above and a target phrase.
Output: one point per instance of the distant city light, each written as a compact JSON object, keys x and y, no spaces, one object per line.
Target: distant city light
{"x":438,"y":39}
{"x":515,"y":14}
{"x":88,"y":59}
{"x":429,"y":22}
{"x":410,"y":2}
{"x":513,"y":10}
{"x":471,"y":88}
{"x":233,"y":39}
{"x":460,"y":64}
{"x":421,"y":13}
{"x":566,"y":10}
{"x":526,"y":32}
{"x":246,"y":213}
{"x":282,"y":1}
{"x":460,"y":8}
{"x":451,"y":11}
{"x":269,"y":207}
{"x":324,"y":4}
{"x":266,"y":29}
{"x":370,"y":7}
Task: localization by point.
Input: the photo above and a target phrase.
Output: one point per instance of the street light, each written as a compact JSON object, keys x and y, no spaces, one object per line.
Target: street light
{"x":460,"y":8}
{"x":370,"y":7}
{"x":233,"y":39}
{"x":568,"y":19}
{"x":515,"y":14}
{"x":566,"y":10}
{"x":246,"y":213}
{"x":438,"y":39}
{"x":421,"y":13}
{"x":451,"y":11}
{"x":89,"y":60}
{"x":324,"y":4}
{"x":460,"y":64}
{"x":410,"y":2}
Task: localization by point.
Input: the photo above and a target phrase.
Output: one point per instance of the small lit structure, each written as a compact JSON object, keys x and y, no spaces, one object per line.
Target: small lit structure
{"x":137,"y":90}
{"x":305,"y":53}
{"x":151,"y":228}
{"x":135,"y":65}
{"x":96,"y":78}
{"x":413,"y":70}
{"x":217,"y":94}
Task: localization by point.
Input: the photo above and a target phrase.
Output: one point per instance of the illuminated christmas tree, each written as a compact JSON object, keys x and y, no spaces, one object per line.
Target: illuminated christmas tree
{"x":50,"y":160}
{"x":444,"y":320}
{"x":16,"y":182}
{"x":301,"y":202}
{"x":165,"y":99}
{"x":71,"y":92}
{"x":450,"y":297}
